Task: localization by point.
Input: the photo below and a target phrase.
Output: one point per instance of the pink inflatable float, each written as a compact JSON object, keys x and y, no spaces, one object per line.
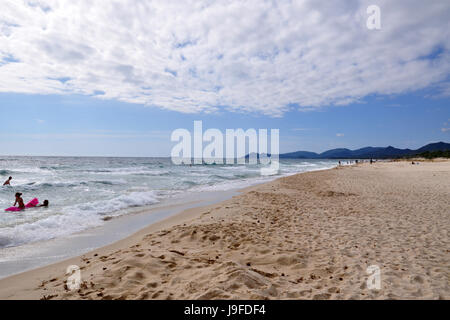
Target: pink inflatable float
{"x":32,"y":203}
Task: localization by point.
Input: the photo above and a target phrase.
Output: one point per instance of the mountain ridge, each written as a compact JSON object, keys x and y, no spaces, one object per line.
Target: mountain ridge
{"x":366,"y":152}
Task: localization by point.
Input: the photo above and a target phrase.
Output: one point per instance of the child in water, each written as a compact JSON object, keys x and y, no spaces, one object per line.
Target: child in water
{"x":19,"y":201}
{"x":45,"y":204}
{"x":7,"y":182}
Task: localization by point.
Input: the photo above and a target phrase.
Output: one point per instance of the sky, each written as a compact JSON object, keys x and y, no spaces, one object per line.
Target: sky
{"x":116,"y":78}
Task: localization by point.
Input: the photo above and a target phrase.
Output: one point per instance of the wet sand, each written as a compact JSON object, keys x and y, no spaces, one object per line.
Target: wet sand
{"x":307,"y":236}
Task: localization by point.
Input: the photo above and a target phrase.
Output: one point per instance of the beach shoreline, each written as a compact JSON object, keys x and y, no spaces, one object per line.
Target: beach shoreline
{"x":117,"y":224}
{"x":15,"y":260}
{"x":285,"y":239}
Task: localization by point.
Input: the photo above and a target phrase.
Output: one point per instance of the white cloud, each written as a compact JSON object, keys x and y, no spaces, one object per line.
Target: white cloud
{"x":445,"y":129}
{"x":339,"y":134}
{"x":196,"y":56}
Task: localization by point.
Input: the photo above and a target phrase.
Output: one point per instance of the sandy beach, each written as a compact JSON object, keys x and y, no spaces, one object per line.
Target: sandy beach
{"x":307,"y":236}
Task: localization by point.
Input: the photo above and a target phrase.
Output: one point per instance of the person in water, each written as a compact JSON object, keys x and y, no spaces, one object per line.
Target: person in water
{"x":7,"y":182}
{"x":19,"y":201}
{"x":45,"y":204}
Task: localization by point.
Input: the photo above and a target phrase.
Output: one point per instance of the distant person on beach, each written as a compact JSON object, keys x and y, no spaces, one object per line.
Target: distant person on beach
{"x":19,"y":201}
{"x":7,"y":182}
{"x":45,"y":204}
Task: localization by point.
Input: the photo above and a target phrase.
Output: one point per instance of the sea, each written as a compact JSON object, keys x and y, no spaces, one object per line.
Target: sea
{"x":87,"y":192}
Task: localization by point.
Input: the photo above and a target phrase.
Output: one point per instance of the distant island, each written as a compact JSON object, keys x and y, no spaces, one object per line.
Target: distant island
{"x":430,"y":150}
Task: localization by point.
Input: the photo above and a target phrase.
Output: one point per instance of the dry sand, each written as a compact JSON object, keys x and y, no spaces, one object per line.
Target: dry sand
{"x":308,"y":236}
